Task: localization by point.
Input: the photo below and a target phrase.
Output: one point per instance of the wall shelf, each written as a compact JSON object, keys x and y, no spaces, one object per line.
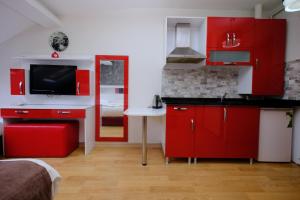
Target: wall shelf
{"x":63,"y":58}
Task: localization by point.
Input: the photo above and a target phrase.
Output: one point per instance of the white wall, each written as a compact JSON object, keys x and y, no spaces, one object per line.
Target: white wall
{"x":293,"y":35}
{"x":138,"y":33}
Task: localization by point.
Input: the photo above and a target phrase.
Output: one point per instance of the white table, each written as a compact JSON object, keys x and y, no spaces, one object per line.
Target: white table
{"x":145,"y":112}
{"x":86,"y":123}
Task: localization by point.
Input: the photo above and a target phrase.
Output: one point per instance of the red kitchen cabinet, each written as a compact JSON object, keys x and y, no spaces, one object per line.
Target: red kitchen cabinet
{"x":180,"y":130}
{"x":230,"y":41}
{"x":212,"y":131}
{"x":230,"y":32}
{"x":241,"y":130}
{"x":17,"y":81}
{"x":217,"y":30}
{"x":210,"y":137}
{"x":82,"y":82}
{"x":269,"y":54}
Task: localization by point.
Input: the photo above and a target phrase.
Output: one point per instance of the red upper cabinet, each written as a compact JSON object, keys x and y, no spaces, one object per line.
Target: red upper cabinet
{"x":230,"y":41}
{"x":269,"y":53}
{"x":210,"y":137}
{"x":230,"y":33}
{"x":17,"y":81}
{"x":241,"y":129}
{"x":217,"y":30}
{"x":82,"y":82}
{"x":180,"y":130}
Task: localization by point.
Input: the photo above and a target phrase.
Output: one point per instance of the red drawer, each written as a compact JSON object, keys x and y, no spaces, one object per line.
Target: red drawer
{"x":43,"y":113}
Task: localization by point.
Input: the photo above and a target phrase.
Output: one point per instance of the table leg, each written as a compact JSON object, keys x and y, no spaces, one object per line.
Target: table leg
{"x":144,"y":142}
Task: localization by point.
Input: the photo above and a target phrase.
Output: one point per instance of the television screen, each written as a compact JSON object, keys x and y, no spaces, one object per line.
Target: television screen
{"x":53,"y":79}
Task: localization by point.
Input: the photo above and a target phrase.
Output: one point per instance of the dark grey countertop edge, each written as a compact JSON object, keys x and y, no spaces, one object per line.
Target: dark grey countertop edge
{"x":268,"y":103}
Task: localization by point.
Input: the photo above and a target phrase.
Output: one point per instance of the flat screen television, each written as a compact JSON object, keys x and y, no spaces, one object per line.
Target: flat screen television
{"x":52,"y":79}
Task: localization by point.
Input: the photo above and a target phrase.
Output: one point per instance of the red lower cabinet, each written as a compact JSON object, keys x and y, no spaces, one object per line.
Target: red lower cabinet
{"x":180,"y":131}
{"x":241,"y":130}
{"x":212,"y":131}
{"x":210,"y":137}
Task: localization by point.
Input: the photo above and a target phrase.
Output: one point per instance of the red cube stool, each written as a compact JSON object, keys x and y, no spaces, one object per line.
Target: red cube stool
{"x":40,"y":139}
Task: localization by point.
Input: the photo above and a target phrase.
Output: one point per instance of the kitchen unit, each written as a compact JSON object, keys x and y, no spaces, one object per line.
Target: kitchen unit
{"x":212,"y":131}
{"x":230,"y":41}
{"x":215,"y":127}
{"x":256,"y":47}
{"x":244,"y":42}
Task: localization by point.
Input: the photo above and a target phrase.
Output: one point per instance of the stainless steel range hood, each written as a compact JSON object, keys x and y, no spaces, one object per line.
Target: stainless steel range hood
{"x":183,"y":53}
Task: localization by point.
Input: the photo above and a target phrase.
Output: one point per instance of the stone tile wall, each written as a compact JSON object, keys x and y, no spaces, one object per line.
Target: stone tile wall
{"x":214,"y":82}
{"x":203,"y":82}
{"x":292,"y":81}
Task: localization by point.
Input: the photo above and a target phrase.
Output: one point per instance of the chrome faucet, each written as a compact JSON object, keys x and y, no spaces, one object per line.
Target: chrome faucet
{"x":223,"y":97}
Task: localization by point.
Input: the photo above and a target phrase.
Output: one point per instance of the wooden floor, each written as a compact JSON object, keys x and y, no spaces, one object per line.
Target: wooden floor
{"x":115,"y":173}
{"x":111,"y":131}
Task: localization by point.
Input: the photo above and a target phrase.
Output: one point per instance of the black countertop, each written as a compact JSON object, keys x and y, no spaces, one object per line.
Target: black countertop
{"x":268,"y":103}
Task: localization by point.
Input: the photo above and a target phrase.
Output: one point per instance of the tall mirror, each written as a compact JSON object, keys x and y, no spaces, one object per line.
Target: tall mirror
{"x":111,"y":93}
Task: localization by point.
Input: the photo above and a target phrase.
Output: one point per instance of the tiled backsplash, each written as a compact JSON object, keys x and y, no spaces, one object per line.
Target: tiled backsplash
{"x":201,"y":82}
{"x":292,"y":81}
{"x":214,"y":82}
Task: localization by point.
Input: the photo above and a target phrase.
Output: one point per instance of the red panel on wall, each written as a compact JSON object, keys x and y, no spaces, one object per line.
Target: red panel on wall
{"x":17,"y":81}
{"x":82,"y":82}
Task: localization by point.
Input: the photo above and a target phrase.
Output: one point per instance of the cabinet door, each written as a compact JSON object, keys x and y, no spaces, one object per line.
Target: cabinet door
{"x":210,"y":137}
{"x":276,"y":81}
{"x":180,"y":130}
{"x":269,"y":53}
{"x":217,"y":30}
{"x":17,"y":81}
{"x":82,"y":82}
{"x":241,"y":130}
{"x":242,"y":30}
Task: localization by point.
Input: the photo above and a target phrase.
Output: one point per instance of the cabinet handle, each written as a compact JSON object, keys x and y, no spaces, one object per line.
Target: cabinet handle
{"x":21,"y":111}
{"x":193,"y":124}
{"x":229,"y":63}
{"x":225,"y":114}
{"x":63,"y":112}
{"x":180,"y":108}
{"x":21,"y":87}
{"x":78,"y":87}
{"x":256,"y":62}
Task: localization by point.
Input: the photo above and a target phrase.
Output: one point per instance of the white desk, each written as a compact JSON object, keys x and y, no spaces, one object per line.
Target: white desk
{"x":145,"y":112}
{"x":85,"y":114}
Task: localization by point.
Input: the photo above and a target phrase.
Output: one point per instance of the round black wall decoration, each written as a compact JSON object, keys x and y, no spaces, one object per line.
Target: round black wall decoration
{"x":59,"y":41}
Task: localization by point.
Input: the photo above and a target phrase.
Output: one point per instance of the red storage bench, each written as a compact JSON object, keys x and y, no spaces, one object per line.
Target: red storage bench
{"x":40,"y":139}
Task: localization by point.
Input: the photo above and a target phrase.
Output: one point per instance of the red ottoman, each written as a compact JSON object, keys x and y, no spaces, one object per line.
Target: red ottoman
{"x":40,"y":139}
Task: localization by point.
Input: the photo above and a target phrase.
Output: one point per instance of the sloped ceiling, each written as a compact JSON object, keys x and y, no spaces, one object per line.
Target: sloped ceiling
{"x":12,"y":23}
{"x":18,"y":15}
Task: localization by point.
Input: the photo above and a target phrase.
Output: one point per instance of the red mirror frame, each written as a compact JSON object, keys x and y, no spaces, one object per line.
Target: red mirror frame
{"x":98,"y":58}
